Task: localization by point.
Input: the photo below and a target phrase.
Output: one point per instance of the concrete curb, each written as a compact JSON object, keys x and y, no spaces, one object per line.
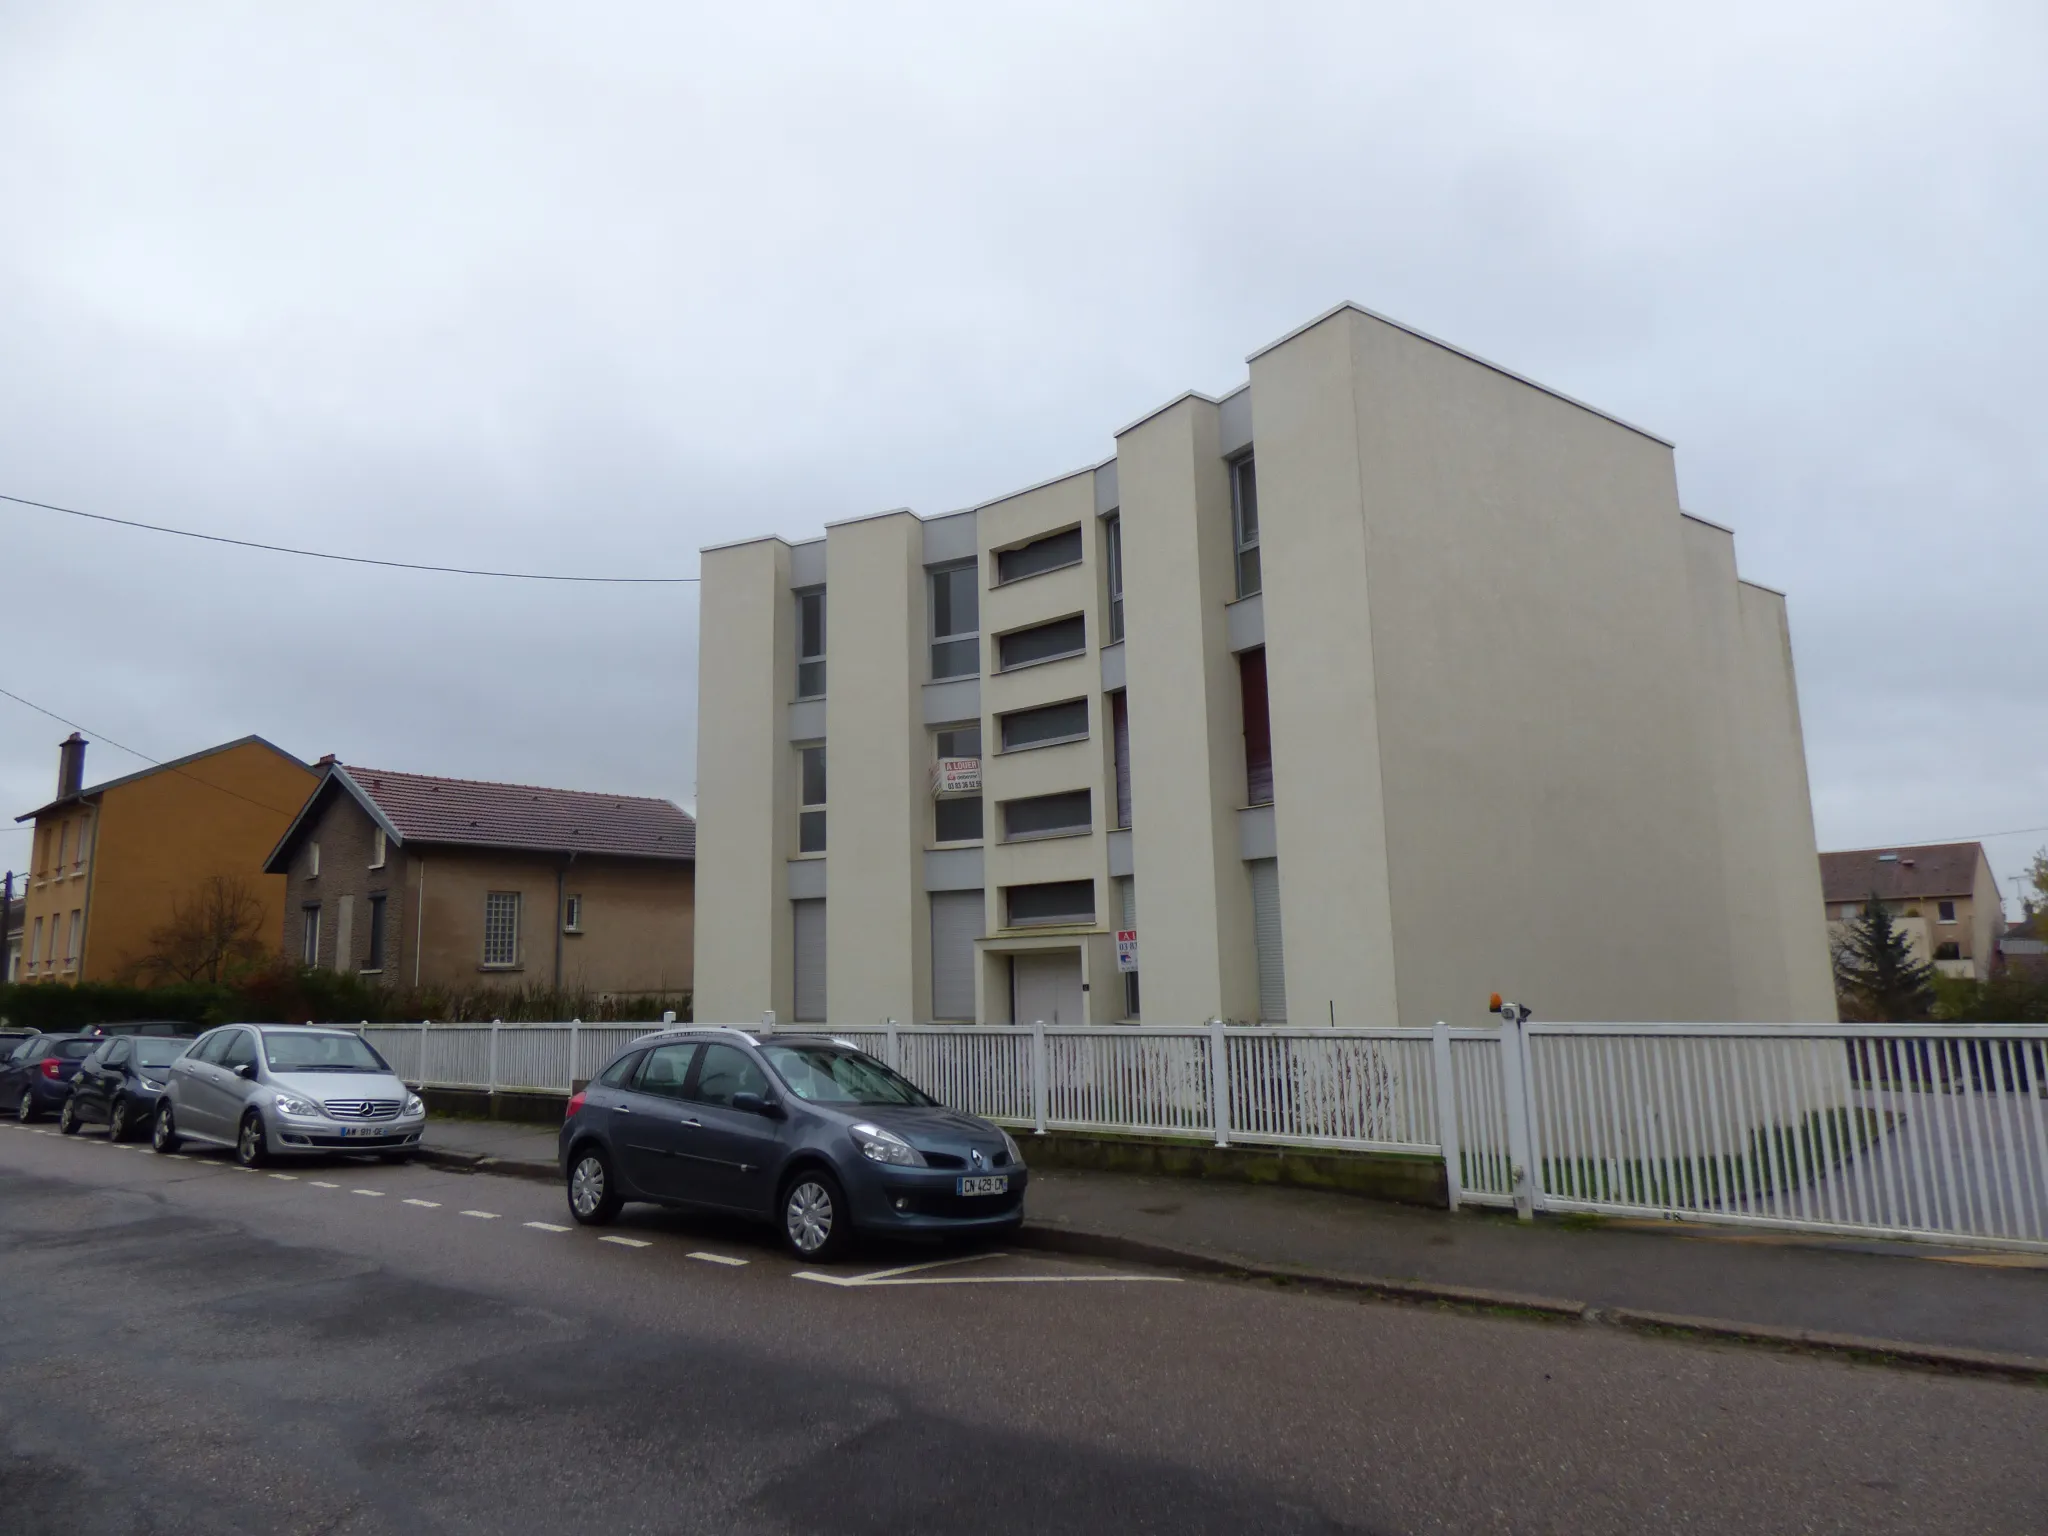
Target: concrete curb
{"x":1976,"y":1362}
{"x":503,"y":1167}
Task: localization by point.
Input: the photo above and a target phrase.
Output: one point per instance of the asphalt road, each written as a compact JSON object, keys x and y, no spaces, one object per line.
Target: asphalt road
{"x":186,"y":1347}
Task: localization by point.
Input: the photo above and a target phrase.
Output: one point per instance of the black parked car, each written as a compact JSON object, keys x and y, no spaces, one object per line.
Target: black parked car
{"x":809,"y":1133}
{"x":119,"y":1084}
{"x":10,"y":1038}
{"x":168,"y":1028}
{"x":37,"y":1078}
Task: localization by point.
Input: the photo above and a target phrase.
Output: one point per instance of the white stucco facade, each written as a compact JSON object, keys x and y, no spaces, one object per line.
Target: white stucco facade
{"x":1529,"y":731}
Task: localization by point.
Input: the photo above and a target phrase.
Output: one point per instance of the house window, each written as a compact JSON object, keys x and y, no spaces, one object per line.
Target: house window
{"x":1113,"y":544}
{"x":1045,"y":725}
{"x":84,"y":837}
{"x":1054,"y":552}
{"x":1042,"y":642}
{"x":312,"y":861}
{"x":956,"y":621}
{"x":35,"y":945}
{"x":1851,"y":910}
{"x":956,"y":819}
{"x":810,"y":644}
{"x":376,"y":960}
{"x":376,"y":848}
{"x":1058,"y":815}
{"x":572,"y":914}
{"x":1244,"y":522}
{"x":63,"y":845}
{"x":1948,"y":915}
{"x":309,"y":934}
{"x":1949,"y":950}
{"x":810,"y":818}
{"x":501,"y":928}
{"x":71,"y":938}
{"x":1054,"y":901}
{"x":1258,"y":728}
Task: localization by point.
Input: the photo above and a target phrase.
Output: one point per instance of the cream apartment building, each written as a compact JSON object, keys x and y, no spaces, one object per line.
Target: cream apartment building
{"x":1389,"y":680}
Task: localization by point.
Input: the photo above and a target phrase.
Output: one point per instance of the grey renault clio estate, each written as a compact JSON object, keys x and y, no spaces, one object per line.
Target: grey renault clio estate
{"x":809,"y":1133}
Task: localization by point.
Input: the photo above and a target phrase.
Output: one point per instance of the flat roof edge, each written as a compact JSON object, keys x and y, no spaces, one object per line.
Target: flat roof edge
{"x":759,"y":538}
{"x":1744,"y":581}
{"x":870,"y":517}
{"x":1186,"y":394}
{"x":1694,"y":517}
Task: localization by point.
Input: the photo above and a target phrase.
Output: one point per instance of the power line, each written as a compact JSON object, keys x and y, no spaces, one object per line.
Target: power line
{"x":321,"y":554}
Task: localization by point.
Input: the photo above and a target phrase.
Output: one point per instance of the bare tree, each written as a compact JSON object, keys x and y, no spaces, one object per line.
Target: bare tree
{"x":215,"y":933}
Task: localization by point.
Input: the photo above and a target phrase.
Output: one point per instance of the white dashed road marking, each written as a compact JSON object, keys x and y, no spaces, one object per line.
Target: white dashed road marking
{"x":289,"y":1178}
{"x":323,"y":1184}
{"x":546,"y":1226}
{"x":375,"y":1194}
{"x":626,"y":1242}
{"x":719,"y":1258}
{"x":482,"y":1215}
{"x":432,"y":1205}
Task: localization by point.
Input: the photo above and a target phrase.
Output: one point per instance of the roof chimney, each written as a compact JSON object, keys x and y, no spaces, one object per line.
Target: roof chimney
{"x":70,"y":766}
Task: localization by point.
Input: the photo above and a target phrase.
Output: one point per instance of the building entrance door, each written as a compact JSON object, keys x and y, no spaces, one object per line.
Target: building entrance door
{"x":1046,"y":985}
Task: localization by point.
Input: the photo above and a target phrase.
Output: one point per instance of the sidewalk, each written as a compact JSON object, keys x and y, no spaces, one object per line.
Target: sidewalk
{"x":1895,"y":1298}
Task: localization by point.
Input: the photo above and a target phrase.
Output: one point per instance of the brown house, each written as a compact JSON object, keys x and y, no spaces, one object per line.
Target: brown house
{"x":455,"y":883}
{"x":1943,"y":895}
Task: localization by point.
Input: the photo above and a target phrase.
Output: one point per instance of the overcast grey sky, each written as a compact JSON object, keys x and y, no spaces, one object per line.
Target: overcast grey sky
{"x":584,"y":288}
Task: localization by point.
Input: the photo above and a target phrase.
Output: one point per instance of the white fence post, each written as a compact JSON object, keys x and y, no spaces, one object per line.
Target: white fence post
{"x":421,"y":1064}
{"x":1219,"y":1081}
{"x":1514,"y":1064}
{"x":768,"y":1022}
{"x":1038,"y":1074}
{"x":893,"y":1057}
{"x":575,"y":1060}
{"x":493,"y":1085}
{"x":1446,"y":1111}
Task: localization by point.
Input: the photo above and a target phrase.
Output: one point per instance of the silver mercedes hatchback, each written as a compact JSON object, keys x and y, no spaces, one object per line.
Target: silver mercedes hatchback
{"x":284,"y":1090}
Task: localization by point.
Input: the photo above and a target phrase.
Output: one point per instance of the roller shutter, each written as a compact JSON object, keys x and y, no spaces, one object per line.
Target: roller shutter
{"x":1265,"y":875}
{"x":810,"y":960}
{"x":956,"y":924}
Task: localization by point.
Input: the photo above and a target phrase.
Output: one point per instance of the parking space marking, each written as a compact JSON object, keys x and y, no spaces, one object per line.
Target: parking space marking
{"x":482,"y":1215}
{"x":627,"y":1242}
{"x":719,"y":1258}
{"x":547,"y":1226}
{"x":432,"y":1205}
{"x":323,"y":1184}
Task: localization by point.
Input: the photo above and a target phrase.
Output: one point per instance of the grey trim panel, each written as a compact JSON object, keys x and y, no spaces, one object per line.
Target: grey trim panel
{"x":1247,"y":620}
{"x":1120,"y":862}
{"x":1105,"y":488}
{"x":1234,"y":420}
{"x":950,"y":538}
{"x":952,"y":869}
{"x":1113,"y":667}
{"x":1256,"y":837}
{"x":807,"y":564}
{"x":951,"y":701}
{"x":807,"y":720}
{"x":806,"y":879}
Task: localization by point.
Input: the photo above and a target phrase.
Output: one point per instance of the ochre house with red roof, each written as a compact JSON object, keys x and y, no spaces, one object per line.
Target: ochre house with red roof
{"x":431,"y":883}
{"x":1943,"y":895}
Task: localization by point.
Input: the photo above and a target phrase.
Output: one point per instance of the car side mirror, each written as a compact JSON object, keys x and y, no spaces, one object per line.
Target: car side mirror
{"x":757,"y":1104}
{"x":246,"y":1071}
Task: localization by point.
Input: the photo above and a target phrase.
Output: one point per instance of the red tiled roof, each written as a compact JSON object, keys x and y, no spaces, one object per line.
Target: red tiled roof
{"x":1944,"y":869}
{"x":479,"y":814}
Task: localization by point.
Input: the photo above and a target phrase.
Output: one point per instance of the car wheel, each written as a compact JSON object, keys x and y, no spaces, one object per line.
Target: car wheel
{"x":814,"y":1216}
{"x":25,"y":1107}
{"x":252,"y":1147}
{"x":163,"y":1131}
{"x":67,"y":1118}
{"x":594,"y":1197}
{"x":118,"y":1128}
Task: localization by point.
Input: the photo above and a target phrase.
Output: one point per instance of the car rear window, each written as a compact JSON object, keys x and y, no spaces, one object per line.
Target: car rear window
{"x":76,"y":1050}
{"x":158,"y":1053}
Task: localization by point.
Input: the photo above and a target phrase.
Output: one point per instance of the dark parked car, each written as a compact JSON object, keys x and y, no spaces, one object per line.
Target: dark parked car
{"x":809,"y":1133}
{"x":10,"y":1038}
{"x":37,"y":1078}
{"x":119,"y":1084}
{"x":167,"y":1028}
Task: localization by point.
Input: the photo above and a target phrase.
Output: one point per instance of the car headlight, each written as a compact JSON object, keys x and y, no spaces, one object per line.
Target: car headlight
{"x":880,"y":1146}
{"x":1016,"y":1152}
{"x":414,"y":1105}
{"x":297,"y":1108}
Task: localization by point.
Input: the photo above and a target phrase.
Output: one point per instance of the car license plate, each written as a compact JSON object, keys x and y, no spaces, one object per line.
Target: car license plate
{"x":362,"y":1130}
{"x":991,"y":1184}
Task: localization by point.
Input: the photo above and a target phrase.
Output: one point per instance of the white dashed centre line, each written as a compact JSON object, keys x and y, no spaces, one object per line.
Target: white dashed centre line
{"x":546,"y":1226}
{"x":289,"y":1178}
{"x":374,"y":1194}
{"x":323,"y":1184}
{"x":432,"y":1205}
{"x":482,"y":1215}
{"x":719,"y":1258}
{"x":627,"y":1242}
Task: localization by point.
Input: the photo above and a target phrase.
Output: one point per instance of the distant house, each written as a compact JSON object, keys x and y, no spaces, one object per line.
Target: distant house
{"x":112,"y":863}
{"x":1944,"y":897}
{"x":428,"y":882}
{"x":2026,"y":950}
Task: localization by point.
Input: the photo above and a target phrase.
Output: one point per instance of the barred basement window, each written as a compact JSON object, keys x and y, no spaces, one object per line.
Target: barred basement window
{"x":501,"y":928}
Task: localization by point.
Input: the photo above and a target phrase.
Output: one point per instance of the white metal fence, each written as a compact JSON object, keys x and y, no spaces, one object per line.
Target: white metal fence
{"x":1894,"y":1130}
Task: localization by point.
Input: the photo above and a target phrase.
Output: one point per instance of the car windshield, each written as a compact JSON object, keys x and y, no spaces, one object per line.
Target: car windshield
{"x":321,"y":1053}
{"x":819,"y":1074}
{"x":158,"y":1053}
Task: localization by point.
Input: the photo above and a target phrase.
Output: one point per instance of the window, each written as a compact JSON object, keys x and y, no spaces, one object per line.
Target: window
{"x":1051,"y":553}
{"x":810,"y":644}
{"x":214,"y":1046}
{"x":35,"y":945}
{"x":1258,"y":728}
{"x":63,"y":844}
{"x":572,"y":914}
{"x":956,"y":621}
{"x":1127,"y":919}
{"x":1120,"y":742}
{"x":71,"y":938}
{"x":1244,"y":523}
{"x":1851,"y":910}
{"x":1042,"y":642}
{"x":725,"y":1070}
{"x":1056,"y":901}
{"x":309,"y":933}
{"x":665,"y":1069}
{"x":1948,"y":951}
{"x":807,"y":921}
{"x":620,"y":1072}
{"x":1948,"y":915}
{"x":956,"y":819}
{"x":376,"y":960}
{"x":312,"y":861}
{"x":1272,"y":964}
{"x":1113,"y":545}
{"x":1045,"y":725}
{"x":956,"y":924}
{"x":501,"y":928}
{"x":84,"y":839}
{"x":959,"y":740}
{"x":810,"y":817}
{"x":376,"y":848}
{"x":1048,"y":815}
{"x":240,"y":1050}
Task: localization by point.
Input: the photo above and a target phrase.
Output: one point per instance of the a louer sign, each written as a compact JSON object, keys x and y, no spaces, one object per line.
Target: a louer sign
{"x":956,"y":775}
